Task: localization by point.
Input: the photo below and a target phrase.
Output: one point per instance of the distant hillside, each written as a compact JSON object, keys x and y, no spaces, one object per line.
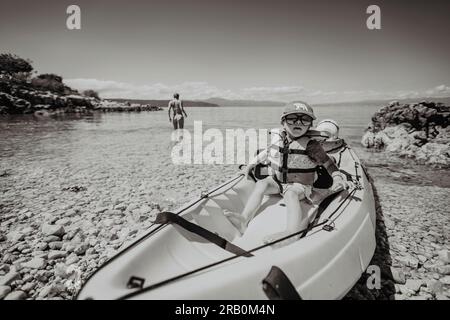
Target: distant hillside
{"x":164,"y":103}
{"x":244,"y":103}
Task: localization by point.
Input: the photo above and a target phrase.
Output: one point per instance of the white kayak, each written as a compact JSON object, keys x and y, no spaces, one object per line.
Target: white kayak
{"x":196,"y":253}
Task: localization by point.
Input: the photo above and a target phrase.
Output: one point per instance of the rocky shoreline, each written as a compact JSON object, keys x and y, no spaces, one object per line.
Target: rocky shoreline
{"x":412,"y":230}
{"x":47,"y":95}
{"x":419,"y":131}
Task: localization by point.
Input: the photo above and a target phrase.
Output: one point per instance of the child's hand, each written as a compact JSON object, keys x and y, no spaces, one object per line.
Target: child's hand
{"x":248,"y":169}
{"x":340,"y":182}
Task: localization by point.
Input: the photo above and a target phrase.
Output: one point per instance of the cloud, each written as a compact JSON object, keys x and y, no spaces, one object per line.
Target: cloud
{"x":439,"y":91}
{"x":198,"y":90}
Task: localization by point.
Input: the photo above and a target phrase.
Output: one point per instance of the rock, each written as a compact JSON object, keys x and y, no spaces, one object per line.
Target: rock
{"x":9,"y":277}
{"x":100,"y":210}
{"x":422,"y":258}
{"x":72,"y":259}
{"x":55,"y":254}
{"x":28,"y":286}
{"x":445,"y":270}
{"x":63,"y":222}
{"x":435,"y":286}
{"x":108,"y":222}
{"x":413,"y":285}
{"x":408,"y":261}
{"x":444,"y":255}
{"x":15,"y":236}
{"x":4,"y":290}
{"x":35,"y":263}
{"x":446,"y":280}
{"x":400,"y":297}
{"x":422,"y":297}
{"x":47,"y":291}
{"x":441,"y":297}
{"x":42,"y":246}
{"x":398,"y":275}
{"x":53,"y":230}
{"x":60,"y":271}
{"x":56,"y":245}
{"x":49,"y":239}
{"x":27,"y":230}
{"x":16,"y":295}
{"x":81,"y":249}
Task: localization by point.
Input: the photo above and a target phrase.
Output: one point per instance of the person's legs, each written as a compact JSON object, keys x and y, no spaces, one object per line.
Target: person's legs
{"x":175,"y":123}
{"x":181,"y":123}
{"x":296,"y":218}
{"x":262,"y":187}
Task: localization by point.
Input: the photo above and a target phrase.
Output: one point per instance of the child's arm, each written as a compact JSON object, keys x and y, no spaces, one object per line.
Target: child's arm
{"x":318,"y":154}
{"x":260,"y":157}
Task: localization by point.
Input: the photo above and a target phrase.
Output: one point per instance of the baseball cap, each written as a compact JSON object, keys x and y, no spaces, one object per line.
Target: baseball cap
{"x":298,"y":107}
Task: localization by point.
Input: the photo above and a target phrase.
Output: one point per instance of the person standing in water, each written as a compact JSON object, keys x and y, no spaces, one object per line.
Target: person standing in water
{"x":178,"y":110}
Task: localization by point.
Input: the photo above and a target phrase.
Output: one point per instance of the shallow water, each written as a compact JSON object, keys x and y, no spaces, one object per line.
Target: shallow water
{"x":27,"y":138}
{"x":125,"y":155}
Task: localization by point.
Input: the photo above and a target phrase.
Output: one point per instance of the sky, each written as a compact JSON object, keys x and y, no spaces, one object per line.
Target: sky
{"x":317,"y":51}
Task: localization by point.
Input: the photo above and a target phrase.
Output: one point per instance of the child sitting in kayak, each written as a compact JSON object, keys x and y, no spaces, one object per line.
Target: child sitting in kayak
{"x":293,"y":160}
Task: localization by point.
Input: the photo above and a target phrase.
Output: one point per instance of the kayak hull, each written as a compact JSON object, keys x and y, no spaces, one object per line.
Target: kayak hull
{"x":174,"y":263}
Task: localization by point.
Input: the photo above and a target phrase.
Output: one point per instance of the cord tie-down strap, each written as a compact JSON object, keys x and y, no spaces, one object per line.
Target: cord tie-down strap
{"x":170,"y":217}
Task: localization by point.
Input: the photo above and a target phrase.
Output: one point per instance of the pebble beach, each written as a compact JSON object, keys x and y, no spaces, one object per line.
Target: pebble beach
{"x":65,"y":210}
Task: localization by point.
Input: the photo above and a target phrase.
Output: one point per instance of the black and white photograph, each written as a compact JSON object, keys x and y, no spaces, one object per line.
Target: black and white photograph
{"x":205,"y":150}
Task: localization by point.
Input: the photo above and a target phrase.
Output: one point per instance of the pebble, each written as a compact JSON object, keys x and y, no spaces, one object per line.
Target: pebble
{"x":9,"y":278}
{"x":72,"y":259}
{"x":16,"y":295}
{"x":444,"y":255}
{"x":55,"y":254}
{"x":56,"y":245}
{"x":435,"y":286}
{"x":408,"y":261}
{"x":445,"y":270}
{"x":398,"y":275}
{"x":35,"y":263}
{"x":81,"y":249}
{"x":446,"y":280}
{"x":28,"y":286}
{"x":42,"y":246}
{"x":15,"y":236}
{"x":51,"y":239}
{"x":4,"y":290}
{"x":53,"y":230}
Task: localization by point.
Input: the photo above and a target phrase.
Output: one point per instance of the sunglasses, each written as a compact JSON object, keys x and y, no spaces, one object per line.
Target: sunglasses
{"x":297,"y":118}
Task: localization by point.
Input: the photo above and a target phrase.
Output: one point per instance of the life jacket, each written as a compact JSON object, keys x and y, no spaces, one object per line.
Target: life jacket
{"x":288,"y":159}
